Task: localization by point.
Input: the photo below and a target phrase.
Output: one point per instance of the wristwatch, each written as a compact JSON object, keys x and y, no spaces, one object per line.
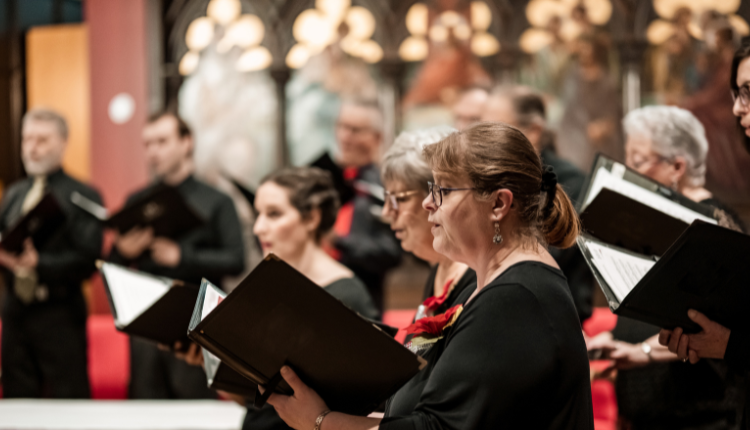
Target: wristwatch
{"x":646,"y":350}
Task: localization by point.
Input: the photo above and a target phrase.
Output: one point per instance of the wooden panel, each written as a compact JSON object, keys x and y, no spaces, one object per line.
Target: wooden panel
{"x":57,"y":77}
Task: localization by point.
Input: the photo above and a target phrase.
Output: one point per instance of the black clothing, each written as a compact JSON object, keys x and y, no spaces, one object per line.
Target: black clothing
{"x":676,"y":394}
{"x":514,"y":359}
{"x":467,"y":280}
{"x":371,"y":248}
{"x":44,"y":342}
{"x":571,"y":261}
{"x":213,"y":251}
{"x":730,"y":213}
{"x":351,"y":292}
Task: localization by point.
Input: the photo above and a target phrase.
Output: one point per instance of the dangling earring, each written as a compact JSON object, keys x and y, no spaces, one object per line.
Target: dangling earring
{"x":497,"y":238}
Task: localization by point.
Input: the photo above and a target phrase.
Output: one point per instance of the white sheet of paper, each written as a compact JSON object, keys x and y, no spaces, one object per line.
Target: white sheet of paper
{"x":132,"y":292}
{"x":214,"y":296}
{"x":605,"y":179}
{"x":620,"y":270}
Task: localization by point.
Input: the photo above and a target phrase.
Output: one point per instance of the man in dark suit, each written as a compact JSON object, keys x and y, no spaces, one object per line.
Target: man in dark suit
{"x":213,"y":251}
{"x":44,"y":316}
{"x":366,"y":244}
{"x":523,"y":109}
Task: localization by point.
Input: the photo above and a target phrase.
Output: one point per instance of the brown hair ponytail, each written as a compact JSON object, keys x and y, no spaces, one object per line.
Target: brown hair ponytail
{"x":495,"y":156}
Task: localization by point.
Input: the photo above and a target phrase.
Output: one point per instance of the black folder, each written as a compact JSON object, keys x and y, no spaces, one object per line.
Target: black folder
{"x":39,"y":224}
{"x":620,"y":220}
{"x":705,"y":269}
{"x":277,"y":317}
{"x":147,"y":306}
{"x":344,"y":187}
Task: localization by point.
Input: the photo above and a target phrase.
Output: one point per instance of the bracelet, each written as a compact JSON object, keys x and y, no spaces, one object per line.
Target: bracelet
{"x":319,"y":420}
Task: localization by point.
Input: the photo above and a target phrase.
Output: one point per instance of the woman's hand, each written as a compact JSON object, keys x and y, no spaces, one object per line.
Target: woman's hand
{"x":628,"y":356}
{"x":301,"y":409}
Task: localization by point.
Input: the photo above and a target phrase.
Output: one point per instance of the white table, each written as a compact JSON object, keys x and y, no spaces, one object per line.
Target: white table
{"x":120,"y":414}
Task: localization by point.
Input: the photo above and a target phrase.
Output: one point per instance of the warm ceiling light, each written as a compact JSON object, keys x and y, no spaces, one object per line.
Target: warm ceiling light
{"x":534,"y":40}
{"x":450,"y":18}
{"x":438,"y":33}
{"x":599,"y":11}
{"x":224,"y":11}
{"x":484,"y":44}
{"x":351,"y":45}
{"x":246,"y":31}
{"x":297,"y":56}
{"x":659,"y":31}
{"x":370,"y":51}
{"x":462,"y":32}
{"x":481,"y":15}
{"x":199,"y":33}
{"x":695,"y":30}
{"x":254,"y":59}
{"x":361,"y":23}
{"x":414,"y":48}
{"x":570,"y":30}
{"x":417,"y":19}
{"x":540,"y":12}
{"x":312,"y":28}
{"x":725,"y":6}
{"x":667,"y":8}
{"x":334,"y":10}
{"x":739,"y":24}
{"x":189,"y":63}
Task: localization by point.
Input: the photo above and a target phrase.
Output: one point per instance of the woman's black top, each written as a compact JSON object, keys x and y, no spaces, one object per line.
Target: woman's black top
{"x":467,"y":280}
{"x":729,"y":213}
{"x":353,"y":293}
{"x":675,"y":394}
{"x":514,"y":359}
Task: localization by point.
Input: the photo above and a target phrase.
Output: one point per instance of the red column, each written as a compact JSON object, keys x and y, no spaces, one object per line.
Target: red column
{"x":117,"y":43}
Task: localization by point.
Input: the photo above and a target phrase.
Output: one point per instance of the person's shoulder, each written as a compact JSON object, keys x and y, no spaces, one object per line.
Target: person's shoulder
{"x":528,"y":279}
{"x":211,"y":193}
{"x":16,"y":187}
{"x":84,"y":189}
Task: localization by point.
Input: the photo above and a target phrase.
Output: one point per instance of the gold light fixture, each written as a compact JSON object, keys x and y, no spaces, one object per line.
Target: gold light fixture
{"x":334,"y":10}
{"x":224,"y":11}
{"x":189,"y":63}
{"x":534,"y":39}
{"x":417,"y":19}
{"x":540,"y":12}
{"x":199,"y":34}
{"x":254,"y":59}
{"x":484,"y":45}
{"x":414,"y":48}
{"x":481,"y":16}
{"x":660,"y":30}
{"x":361,"y":23}
{"x":297,"y":56}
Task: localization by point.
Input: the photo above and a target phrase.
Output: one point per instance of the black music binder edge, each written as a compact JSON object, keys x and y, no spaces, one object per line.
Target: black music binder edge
{"x":602,"y":160}
{"x":59,"y":218}
{"x":113,"y":308}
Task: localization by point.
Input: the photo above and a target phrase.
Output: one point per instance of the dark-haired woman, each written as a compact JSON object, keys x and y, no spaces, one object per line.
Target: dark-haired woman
{"x":513,"y":356}
{"x":716,"y":341}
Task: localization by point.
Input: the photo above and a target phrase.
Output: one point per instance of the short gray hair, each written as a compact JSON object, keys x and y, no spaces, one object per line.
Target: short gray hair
{"x":48,"y":115}
{"x":404,"y":161}
{"x":673,"y":132}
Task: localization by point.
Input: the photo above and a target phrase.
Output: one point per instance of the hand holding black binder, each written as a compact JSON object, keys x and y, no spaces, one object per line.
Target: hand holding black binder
{"x":623,"y":208}
{"x":163,"y":209}
{"x":147,"y":306}
{"x":39,"y":224}
{"x":705,"y":269}
{"x":277,"y":317}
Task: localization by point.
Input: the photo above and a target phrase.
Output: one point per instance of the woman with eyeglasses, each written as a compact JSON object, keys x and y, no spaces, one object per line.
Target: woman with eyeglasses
{"x":715,"y":341}
{"x":513,"y":356}
{"x":406,"y":175}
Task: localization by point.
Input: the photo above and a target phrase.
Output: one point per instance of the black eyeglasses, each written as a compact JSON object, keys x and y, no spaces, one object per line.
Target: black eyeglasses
{"x":743,"y":93}
{"x":438,"y":192}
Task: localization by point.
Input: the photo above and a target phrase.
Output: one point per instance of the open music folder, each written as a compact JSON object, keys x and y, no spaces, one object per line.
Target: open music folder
{"x":626,"y":209}
{"x":163,"y":208}
{"x":705,"y":269}
{"x":147,"y":306}
{"x":39,"y":224}
{"x":277,"y":317}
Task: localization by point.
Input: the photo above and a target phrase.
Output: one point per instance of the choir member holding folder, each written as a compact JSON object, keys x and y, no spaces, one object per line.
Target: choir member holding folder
{"x":405,"y":176}
{"x":715,"y":341}
{"x":295,"y":209}
{"x":212,"y":250}
{"x":44,"y":316}
{"x":668,"y":145}
{"x":513,"y":356}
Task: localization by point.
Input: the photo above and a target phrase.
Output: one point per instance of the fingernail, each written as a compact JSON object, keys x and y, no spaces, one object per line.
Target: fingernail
{"x":285,"y":370}
{"x":692,"y":313}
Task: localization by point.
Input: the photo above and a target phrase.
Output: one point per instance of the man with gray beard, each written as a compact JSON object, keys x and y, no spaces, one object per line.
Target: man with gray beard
{"x":44,"y":315}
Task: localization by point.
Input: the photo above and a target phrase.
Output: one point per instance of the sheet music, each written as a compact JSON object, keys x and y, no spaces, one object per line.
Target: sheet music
{"x":211,"y":365}
{"x":620,"y":270}
{"x":132,"y":292}
{"x":605,"y":179}
{"x":213,"y":297}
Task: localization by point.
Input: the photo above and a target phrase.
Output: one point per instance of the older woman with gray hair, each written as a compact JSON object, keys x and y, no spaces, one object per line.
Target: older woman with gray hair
{"x":668,"y":144}
{"x":654,"y":389}
{"x":405,"y":175}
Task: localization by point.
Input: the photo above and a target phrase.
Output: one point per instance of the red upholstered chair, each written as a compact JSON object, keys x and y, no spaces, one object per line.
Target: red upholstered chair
{"x":602,"y":392}
{"x":109,"y":359}
{"x":400,"y":318}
